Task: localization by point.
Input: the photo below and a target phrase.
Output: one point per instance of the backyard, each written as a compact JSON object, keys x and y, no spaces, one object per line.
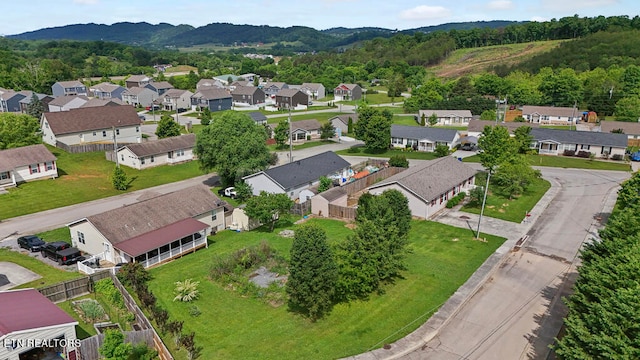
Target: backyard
{"x":231,"y":325}
{"x":85,"y":177}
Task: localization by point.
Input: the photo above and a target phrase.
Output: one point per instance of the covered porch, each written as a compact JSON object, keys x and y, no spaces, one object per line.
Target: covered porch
{"x":426,"y":145}
{"x":166,"y":243}
{"x":548,"y":147}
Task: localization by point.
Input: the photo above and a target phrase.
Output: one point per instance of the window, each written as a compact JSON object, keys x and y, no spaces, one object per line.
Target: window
{"x":153,"y":158}
{"x":396,"y":140}
{"x":412,"y":142}
{"x":49,"y":166}
{"x":585,"y":147}
{"x":4,"y":175}
{"x":214,"y":215}
{"x":117,"y":131}
{"x":121,"y":157}
{"x":81,"y":237}
{"x":46,"y":125}
{"x":142,"y":160}
{"x":104,"y":133}
{"x":94,"y":133}
{"x":137,"y":128}
{"x":34,"y":169}
{"x":179,"y":153}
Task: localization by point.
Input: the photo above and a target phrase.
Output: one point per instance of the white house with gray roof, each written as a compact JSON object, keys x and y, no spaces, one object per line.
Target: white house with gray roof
{"x":154,"y":230}
{"x":446,"y":117}
{"x":423,"y":138}
{"x":294,"y":177}
{"x":555,"y":142}
{"x":171,"y":150}
{"x":26,"y":163}
{"x":551,"y":115}
{"x":139,"y":96}
{"x":429,"y":185}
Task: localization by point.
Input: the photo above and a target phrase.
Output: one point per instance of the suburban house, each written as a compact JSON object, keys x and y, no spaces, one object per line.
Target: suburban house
{"x":213,"y":98}
{"x":176,"y":99}
{"x":66,"y":103}
{"x":337,"y":195}
{"x":159,"y":87}
{"x":423,"y":138}
{"x":631,"y":129}
{"x":347,"y":92}
{"x":314,"y":90}
{"x":239,"y":83}
{"x":91,"y":125}
{"x":106,"y":90}
{"x":26,"y":163}
{"x":137,"y":81}
{"x":551,"y":115}
{"x":139,"y":96}
{"x":165,"y":151}
{"x":44,"y":99}
{"x":27,"y":319}
{"x":258,"y":117}
{"x":102,"y":102}
{"x":305,"y":130}
{"x":154,"y":230}
{"x":476,"y":127}
{"x":10,"y":100}
{"x":272,"y":88}
{"x":69,"y":88}
{"x":251,"y":95}
{"x":341,"y":122}
{"x":227,"y":79}
{"x":291,"y":98}
{"x":556,"y":142}
{"x":445,"y":117}
{"x":430,"y":184}
{"x":297,"y":176}
{"x":204,"y":83}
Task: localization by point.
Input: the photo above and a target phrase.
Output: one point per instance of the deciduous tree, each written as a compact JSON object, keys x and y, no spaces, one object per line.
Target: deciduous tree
{"x":268,"y":208}
{"x":168,"y":127}
{"x":281,"y":133}
{"x":234,"y":146}
{"x":327,"y":131}
{"x":17,"y":130}
{"x":496,"y":146}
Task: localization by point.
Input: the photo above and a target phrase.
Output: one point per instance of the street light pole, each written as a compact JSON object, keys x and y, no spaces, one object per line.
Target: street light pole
{"x":484,"y":200}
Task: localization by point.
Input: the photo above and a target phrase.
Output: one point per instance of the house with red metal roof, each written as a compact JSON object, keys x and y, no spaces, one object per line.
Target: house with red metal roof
{"x":154,"y":230}
{"x":32,"y":327}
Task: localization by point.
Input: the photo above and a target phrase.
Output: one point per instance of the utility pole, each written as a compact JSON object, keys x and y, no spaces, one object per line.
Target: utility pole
{"x":573,"y":114}
{"x":484,"y":200}
{"x":115,"y":146}
{"x":290,"y":135}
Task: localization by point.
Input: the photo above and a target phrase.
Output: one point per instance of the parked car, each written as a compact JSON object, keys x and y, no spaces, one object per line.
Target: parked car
{"x":635,"y":156}
{"x":31,"y":243}
{"x":62,"y":253}
{"x":468,"y":147}
{"x":228,"y":192}
{"x":154,"y":107}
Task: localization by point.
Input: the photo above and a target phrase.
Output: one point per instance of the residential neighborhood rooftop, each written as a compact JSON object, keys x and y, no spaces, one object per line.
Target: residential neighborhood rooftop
{"x":26,"y":155}
{"x":27,"y":309}
{"x":580,"y":137}
{"x":307,"y":125}
{"x":421,"y":132}
{"x":161,"y":146}
{"x":91,"y":118}
{"x":551,"y":110}
{"x":478,"y":125}
{"x":632,"y":128}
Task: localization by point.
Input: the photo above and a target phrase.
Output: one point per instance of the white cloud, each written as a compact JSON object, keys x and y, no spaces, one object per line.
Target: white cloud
{"x":425,"y":12}
{"x":500,"y":5}
{"x":539,"y":19}
{"x":576,"y":6}
{"x":85,"y":2}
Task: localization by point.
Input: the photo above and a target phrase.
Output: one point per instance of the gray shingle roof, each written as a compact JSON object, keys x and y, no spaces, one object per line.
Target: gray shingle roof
{"x":420,"y":132}
{"x":550,"y":111}
{"x":632,"y":128}
{"x":64,"y":100}
{"x":70,"y":83}
{"x":22,"y":156}
{"x":580,"y":137}
{"x":139,"y":218}
{"x":212,"y":93}
{"x":288,"y":92}
{"x":306,"y":170}
{"x":430,"y":179}
{"x":344,"y":118}
{"x":163,"y":145}
{"x":244,"y":90}
{"x":478,"y":125}
{"x":445,"y":113}
{"x":307,"y":125}
{"x":91,"y":118}
{"x":258,"y":116}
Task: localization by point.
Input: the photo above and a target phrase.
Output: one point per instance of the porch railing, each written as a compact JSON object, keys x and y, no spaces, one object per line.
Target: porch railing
{"x":174,"y":252}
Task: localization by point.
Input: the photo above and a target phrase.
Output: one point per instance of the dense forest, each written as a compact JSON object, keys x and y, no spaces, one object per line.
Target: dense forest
{"x":598,"y":70}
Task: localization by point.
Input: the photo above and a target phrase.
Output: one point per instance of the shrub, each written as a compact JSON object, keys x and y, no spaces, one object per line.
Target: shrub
{"x":106,"y":288}
{"x":583,"y":154}
{"x":186,"y":290}
{"x":194,"y":311}
{"x":569,"y":153}
{"x":353,"y":150}
{"x":456,"y":200}
{"x":617,"y":157}
{"x":91,"y":310}
{"x":399,"y":161}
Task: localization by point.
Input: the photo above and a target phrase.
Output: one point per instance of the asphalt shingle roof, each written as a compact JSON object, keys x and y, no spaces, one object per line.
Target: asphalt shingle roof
{"x":22,"y":156}
{"x":580,"y":137}
{"x":163,"y":145}
{"x":306,"y":170}
{"x":430,"y":179}
{"x":212,"y":93}
{"x":478,"y":125}
{"x":307,"y":125}
{"x":420,"y":132}
{"x":91,"y":118}
{"x":258,"y":116}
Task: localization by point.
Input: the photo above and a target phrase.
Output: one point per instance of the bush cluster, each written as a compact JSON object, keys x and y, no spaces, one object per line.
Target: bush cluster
{"x":456,"y":199}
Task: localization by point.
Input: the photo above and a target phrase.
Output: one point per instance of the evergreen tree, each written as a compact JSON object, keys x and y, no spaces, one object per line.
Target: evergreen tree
{"x":168,"y":127}
{"x":119,"y":179}
{"x":312,"y":273}
{"x":327,"y":131}
{"x":35,"y":107}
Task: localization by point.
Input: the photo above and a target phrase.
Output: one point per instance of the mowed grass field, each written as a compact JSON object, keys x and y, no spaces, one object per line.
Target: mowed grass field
{"x":84,"y":177}
{"x":235,"y":327}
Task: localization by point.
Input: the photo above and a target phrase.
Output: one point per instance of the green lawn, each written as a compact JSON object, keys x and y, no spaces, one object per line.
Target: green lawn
{"x":515,"y":210}
{"x":321,"y":117}
{"x":408,"y":120}
{"x":232,"y":326}
{"x":568,"y":162}
{"x":305,"y":145}
{"x":83,"y":329}
{"x":50,"y":275}
{"x":418,"y":155}
{"x":59,"y":234}
{"x":85,"y":177}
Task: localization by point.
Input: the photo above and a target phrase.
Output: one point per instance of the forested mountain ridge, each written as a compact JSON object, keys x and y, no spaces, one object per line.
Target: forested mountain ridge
{"x":162,"y":35}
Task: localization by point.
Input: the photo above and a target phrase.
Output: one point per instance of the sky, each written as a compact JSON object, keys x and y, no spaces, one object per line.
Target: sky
{"x":319,"y":14}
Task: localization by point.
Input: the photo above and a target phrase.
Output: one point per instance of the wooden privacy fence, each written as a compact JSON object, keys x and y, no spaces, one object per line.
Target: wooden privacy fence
{"x":90,"y":347}
{"x":342,"y":212}
{"x":365,"y":182}
{"x":83,"y":148}
{"x":301,"y":209}
{"x":72,"y":288}
{"x":141,"y":319}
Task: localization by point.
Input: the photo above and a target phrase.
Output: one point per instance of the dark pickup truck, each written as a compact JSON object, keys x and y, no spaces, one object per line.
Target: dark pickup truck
{"x":61,"y":253}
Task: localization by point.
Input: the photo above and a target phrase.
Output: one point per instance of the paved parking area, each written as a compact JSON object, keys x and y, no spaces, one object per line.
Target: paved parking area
{"x":12,"y":243}
{"x":15,"y":275}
